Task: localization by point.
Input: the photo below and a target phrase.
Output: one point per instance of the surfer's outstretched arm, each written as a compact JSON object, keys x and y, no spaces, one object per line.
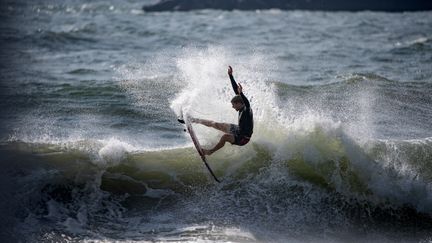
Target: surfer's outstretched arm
{"x":233,"y":82}
{"x":238,"y":89}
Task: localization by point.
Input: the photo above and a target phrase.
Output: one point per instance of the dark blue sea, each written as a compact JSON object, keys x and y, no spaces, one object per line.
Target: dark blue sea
{"x":91,"y":150}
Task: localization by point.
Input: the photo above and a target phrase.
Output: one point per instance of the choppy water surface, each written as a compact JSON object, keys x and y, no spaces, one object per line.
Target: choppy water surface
{"x":91,"y":149}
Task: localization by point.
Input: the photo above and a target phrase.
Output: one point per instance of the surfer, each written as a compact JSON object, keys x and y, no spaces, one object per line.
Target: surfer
{"x":235,"y":134}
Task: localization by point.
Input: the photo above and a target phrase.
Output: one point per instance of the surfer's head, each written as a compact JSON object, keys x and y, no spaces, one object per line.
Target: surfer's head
{"x":237,"y":102}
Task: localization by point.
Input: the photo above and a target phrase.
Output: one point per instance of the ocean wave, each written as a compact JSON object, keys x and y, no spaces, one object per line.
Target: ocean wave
{"x":313,"y":176}
{"x":396,"y":172}
{"x":417,"y":45}
{"x":64,"y":37}
{"x":82,"y":71}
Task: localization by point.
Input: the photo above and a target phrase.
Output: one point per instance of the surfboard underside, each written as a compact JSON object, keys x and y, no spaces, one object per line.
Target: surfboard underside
{"x":198,"y":146}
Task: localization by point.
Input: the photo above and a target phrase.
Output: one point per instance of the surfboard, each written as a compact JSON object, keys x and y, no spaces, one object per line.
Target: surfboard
{"x":196,"y":143}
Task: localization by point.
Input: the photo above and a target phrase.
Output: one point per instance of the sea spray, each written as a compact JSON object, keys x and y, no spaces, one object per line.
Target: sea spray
{"x":307,"y":140}
{"x":114,"y":152}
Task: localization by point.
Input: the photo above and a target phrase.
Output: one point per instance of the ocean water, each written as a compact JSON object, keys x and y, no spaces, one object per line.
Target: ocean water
{"x":90,"y":149}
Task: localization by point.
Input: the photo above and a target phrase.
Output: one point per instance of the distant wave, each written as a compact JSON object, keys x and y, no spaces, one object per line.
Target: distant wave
{"x":416,"y":45}
{"x":83,"y":71}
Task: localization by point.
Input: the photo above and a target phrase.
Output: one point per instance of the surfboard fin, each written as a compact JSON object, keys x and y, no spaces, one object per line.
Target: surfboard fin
{"x":180,"y":117}
{"x":181,"y":121}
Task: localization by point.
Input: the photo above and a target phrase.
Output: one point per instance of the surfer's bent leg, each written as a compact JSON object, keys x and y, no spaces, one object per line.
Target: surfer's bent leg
{"x":225,"y":138}
{"x":224,"y":127}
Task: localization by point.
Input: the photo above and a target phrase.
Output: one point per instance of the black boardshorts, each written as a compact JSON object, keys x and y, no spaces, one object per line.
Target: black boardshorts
{"x":238,"y":139}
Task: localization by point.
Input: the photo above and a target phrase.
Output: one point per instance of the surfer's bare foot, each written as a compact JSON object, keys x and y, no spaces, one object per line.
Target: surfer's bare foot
{"x":207,"y":151}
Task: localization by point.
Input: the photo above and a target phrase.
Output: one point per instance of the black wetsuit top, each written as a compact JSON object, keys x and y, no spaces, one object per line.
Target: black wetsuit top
{"x":245,"y":114}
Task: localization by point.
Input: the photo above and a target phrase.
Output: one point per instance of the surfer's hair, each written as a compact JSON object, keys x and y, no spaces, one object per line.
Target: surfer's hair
{"x":237,"y":99}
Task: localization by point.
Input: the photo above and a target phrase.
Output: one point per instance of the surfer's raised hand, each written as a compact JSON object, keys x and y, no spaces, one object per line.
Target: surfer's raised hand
{"x":230,"y":71}
{"x":239,"y":88}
